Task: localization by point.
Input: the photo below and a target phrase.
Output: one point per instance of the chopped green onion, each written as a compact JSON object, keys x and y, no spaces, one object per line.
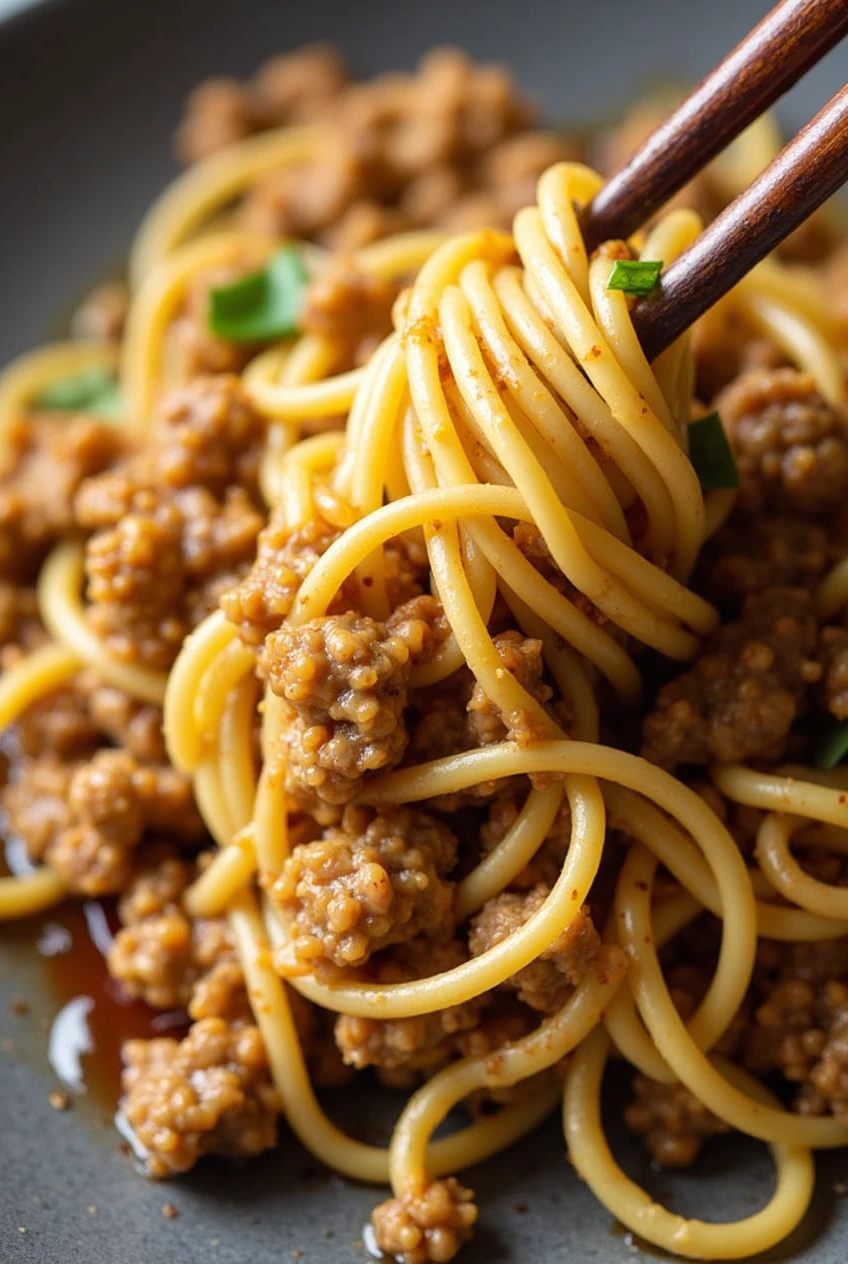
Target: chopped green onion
{"x":710,"y":453}
{"x":93,"y":390}
{"x":265,"y":304}
{"x":635,"y":276}
{"x":833,"y":747}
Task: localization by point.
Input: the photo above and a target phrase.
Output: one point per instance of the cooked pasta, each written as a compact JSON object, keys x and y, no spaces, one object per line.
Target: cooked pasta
{"x":404,"y":581}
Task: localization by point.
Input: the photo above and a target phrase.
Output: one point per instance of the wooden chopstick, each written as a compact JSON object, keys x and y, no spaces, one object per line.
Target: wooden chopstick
{"x":804,"y":175}
{"x":771,"y":58}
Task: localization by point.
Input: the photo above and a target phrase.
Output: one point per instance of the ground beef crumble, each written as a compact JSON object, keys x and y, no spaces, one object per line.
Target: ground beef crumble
{"x":59,"y":724}
{"x":71,"y":723}
{"x":739,"y":699}
{"x":286,"y":555}
{"x":546,"y":983}
{"x":372,"y":881}
{"x":136,"y":582}
{"x":767,"y":551}
{"x":87,"y":819}
{"x":209,"y":1093}
{"x":428,"y":1226}
{"x":800,"y":1026}
{"x":209,"y":435}
{"x":134,"y":725}
{"x":351,"y":307}
{"x":671,"y":1121}
{"x":448,"y":145}
{"x":175,"y":526}
{"x":833,"y":656}
{"x":794,"y":1022}
{"x":35,"y":802}
{"x":456,"y":715}
{"x":20,"y":626}
{"x":544,"y":868}
{"x":522,"y":657}
{"x":46,"y":462}
{"x":405,"y":1049}
{"x":344,"y":681}
{"x":806,"y":1026}
{"x":284,"y":558}
{"x":166,"y":958}
{"x":791,"y":446}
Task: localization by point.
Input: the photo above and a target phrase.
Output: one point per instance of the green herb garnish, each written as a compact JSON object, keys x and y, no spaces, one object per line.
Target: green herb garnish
{"x":710,"y":453}
{"x":833,"y":747}
{"x":93,"y":390}
{"x":262,"y":305}
{"x":635,"y":276}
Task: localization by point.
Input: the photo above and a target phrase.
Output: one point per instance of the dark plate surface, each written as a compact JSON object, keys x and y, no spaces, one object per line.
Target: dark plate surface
{"x":89,"y":94}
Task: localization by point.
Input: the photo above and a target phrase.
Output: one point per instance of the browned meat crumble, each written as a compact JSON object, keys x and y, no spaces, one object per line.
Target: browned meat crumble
{"x":209,"y":435}
{"x":743,"y":693}
{"x":170,"y":960}
{"x":344,"y":680}
{"x":284,"y":558}
{"x":352,"y":307}
{"x":546,"y":983}
{"x":405,"y":1049}
{"x":46,"y":462}
{"x":448,"y":145}
{"x":374,"y":880}
{"x":207,"y":1094}
{"x":671,"y":1121}
{"x":800,"y":1026}
{"x":60,"y":723}
{"x":833,"y":655}
{"x":176,"y":525}
{"x":457,"y":715}
{"x":795,"y":1022}
{"x":126,"y":722}
{"x":522,"y":658}
{"x":791,"y":446}
{"x":428,"y":1226}
{"x":774,"y":551}
{"x":87,"y":819}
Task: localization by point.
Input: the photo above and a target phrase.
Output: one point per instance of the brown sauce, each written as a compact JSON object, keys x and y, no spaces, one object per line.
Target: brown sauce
{"x":89,"y":1017}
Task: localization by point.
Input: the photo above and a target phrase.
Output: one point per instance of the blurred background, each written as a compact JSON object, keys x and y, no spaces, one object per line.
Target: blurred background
{"x":96,"y":87}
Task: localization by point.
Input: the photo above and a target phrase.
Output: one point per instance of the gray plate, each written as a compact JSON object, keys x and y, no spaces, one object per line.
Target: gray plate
{"x":89,"y":93}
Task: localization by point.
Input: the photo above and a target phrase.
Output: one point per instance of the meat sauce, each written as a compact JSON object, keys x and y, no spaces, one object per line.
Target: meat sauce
{"x":89,"y":1016}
